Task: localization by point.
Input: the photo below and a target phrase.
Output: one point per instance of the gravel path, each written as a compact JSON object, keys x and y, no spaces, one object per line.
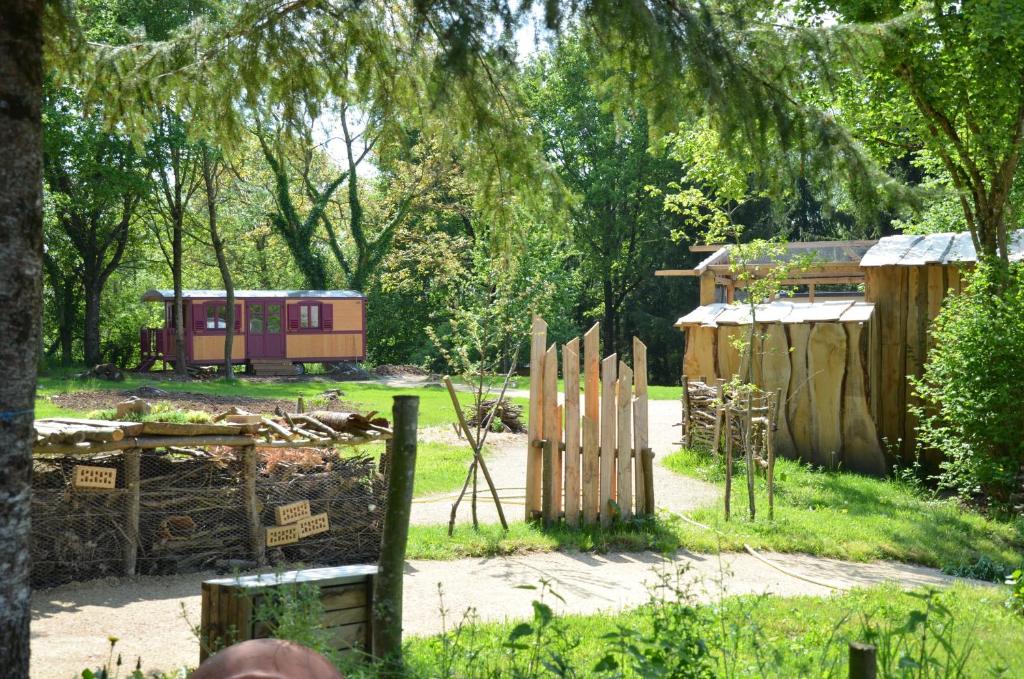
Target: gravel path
{"x":506,"y":462}
{"x":152,"y":615}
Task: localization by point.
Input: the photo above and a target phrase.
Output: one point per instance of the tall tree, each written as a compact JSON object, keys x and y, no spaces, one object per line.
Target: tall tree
{"x":211,"y":177}
{"x":21,"y":276}
{"x":95,"y":180}
{"x":618,"y":225}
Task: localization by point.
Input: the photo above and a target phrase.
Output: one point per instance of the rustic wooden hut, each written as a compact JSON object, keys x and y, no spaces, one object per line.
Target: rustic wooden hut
{"x":276,"y":331}
{"x":901,"y":280}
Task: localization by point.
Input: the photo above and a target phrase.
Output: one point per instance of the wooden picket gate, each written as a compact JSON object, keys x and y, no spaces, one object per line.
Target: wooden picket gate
{"x":586,"y":466}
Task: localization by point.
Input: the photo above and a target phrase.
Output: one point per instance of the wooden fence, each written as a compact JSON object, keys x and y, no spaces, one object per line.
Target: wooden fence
{"x":586,"y":465}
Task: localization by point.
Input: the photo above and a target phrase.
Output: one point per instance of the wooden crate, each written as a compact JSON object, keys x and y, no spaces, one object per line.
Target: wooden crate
{"x":229,"y":606}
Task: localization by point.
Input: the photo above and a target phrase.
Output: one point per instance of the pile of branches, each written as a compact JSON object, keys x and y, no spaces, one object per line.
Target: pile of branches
{"x":508,"y":416}
{"x":400,"y":371}
{"x":103,"y":371}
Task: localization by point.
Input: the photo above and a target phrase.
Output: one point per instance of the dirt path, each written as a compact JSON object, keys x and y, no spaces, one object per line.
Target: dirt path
{"x":507,"y":465}
{"x":148,"y":615}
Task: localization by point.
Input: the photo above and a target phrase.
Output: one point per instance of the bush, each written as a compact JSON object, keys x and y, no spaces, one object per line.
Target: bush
{"x":973,"y":385}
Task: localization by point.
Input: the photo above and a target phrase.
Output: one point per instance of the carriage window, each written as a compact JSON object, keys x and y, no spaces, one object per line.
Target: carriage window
{"x":215,"y":316}
{"x":256,"y":318}
{"x":309,"y":316}
{"x":273,"y":318}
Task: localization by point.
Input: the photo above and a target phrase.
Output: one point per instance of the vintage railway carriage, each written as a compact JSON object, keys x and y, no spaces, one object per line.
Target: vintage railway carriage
{"x":276,"y":331}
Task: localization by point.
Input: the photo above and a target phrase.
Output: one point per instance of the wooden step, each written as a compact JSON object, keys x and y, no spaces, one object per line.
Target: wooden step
{"x":272,"y":366}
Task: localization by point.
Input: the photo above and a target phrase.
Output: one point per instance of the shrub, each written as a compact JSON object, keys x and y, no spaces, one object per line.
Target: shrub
{"x":973,"y":385}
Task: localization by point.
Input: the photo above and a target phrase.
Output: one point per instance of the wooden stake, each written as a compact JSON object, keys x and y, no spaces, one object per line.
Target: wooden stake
{"x":253,"y":508}
{"x":547,"y":510}
{"x":720,"y":415}
{"x":608,"y":432}
{"x":648,"y":460}
{"x":770,"y":434}
{"x":685,"y":399}
{"x":132,"y":464}
{"x":728,"y":458}
{"x":592,"y":415}
{"x":386,"y":624}
{"x":624,"y":400}
{"x":535,"y":428}
{"x":640,"y":433}
{"x":571,"y":374}
{"x":300,"y":405}
{"x":863,"y":663}
{"x":552,"y":435}
{"x":748,"y":454}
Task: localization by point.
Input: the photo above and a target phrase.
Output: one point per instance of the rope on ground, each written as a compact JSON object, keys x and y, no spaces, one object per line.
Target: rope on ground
{"x":750,"y":550}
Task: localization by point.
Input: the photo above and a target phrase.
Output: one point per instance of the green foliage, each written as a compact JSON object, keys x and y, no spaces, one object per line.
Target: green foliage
{"x":961,"y":632}
{"x":293,"y":613}
{"x":1015,"y":602}
{"x":971,"y":401}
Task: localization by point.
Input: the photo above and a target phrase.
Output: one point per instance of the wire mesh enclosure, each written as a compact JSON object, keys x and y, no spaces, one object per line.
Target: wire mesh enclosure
{"x":200,"y":510}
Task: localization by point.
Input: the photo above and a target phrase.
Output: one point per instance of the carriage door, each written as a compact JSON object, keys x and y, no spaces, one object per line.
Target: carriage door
{"x":265,"y":336}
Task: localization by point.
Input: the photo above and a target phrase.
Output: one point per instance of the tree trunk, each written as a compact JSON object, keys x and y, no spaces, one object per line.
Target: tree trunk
{"x":93,"y":354}
{"x":610,"y":317}
{"x":21,"y":275}
{"x":222,"y":263}
{"x":68,"y":306}
{"x":180,"y":355}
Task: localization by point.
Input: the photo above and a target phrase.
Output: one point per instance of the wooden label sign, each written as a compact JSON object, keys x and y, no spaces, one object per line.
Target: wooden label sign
{"x":313,"y":525}
{"x":282,"y":535}
{"x":292,"y":512}
{"x":94,"y":477}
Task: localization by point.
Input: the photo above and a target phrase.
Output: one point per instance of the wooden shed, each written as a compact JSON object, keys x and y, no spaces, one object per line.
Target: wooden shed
{"x":815,"y":355}
{"x":276,"y":331}
{"x":894,"y":287}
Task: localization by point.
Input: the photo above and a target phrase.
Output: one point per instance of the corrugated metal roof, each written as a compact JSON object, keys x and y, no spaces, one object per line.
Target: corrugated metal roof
{"x":161,"y":295}
{"x":933,"y":248}
{"x":714,"y":315}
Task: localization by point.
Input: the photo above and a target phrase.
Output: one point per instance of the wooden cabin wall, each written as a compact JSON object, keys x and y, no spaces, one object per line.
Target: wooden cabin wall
{"x":344,"y":340}
{"x":822,"y":370}
{"x":906,"y":299}
{"x":211,"y":348}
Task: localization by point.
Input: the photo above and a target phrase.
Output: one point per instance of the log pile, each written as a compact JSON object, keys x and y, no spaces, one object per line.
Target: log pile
{"x":508,"y":415}
{"x":236,"y":427}
{"x":103,"y":371}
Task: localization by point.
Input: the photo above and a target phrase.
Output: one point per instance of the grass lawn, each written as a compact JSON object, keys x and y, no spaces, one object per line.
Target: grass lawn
{"x":854,"y":517}
{"x":440,"y":467}
{"x":435,"y":404}
{"x":748,"y":636}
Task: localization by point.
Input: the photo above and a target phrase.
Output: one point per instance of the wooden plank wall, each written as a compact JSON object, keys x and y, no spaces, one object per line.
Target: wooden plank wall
{"x":906,"y":299}
{"x":583,"y":464}
{"x":822,"y":370}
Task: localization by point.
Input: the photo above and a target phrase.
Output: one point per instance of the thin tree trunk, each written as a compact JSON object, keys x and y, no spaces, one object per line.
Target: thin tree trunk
{"x":180,"y":355}
{"x":21,"y":276}
{"x":608,"y":324}
{"x":222,"y":262}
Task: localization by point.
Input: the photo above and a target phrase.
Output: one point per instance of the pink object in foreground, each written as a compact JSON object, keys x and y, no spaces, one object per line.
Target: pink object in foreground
{"x":266,"y":659}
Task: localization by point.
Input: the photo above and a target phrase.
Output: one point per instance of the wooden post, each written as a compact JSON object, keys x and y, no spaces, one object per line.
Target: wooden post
{"x":608,"y":366}
{"x":535,"y":426}
{"x":687,"y":436}
{"x":592,"y":419}
{"x":707,"y":288}
{"x":300,"y":405}
{"x":624,"y":440}
{"x":552,"y":436}
{"x":253,"y":508}
{"x":132,"y":464}
{"x":720,"y":415}
{"x":640,"y":432}
{"x":648,"y":480}
{"x":748,"y":454}
{"x":571,"y":374}
{"x":728,"y":458}
{"x":863,"y":663}
{"x":387,"y":587}
{"x":770,"y":445}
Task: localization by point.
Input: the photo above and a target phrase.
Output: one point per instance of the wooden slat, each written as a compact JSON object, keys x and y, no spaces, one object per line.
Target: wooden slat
{"x":624,"y":439}
{"x":640,"y":432}
{"x":936,"y":289}
{"x":571,"y":373}
{"x":861,"y":449}
{"x":552,"y":427}
{"x":345,"y":616}
{"x":535,"y":426}
{"x":728,"y":356}
{"x":917,"y":349}
{"x":826,"y":363}
{"x":699,"y":356}
{"x":775,"y":373}
{"x":799,"y":409}
{"x":335,"y":598}
{"x":347,"y":636}
{"x":591,"y":419}
{"x":608,"y":434}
